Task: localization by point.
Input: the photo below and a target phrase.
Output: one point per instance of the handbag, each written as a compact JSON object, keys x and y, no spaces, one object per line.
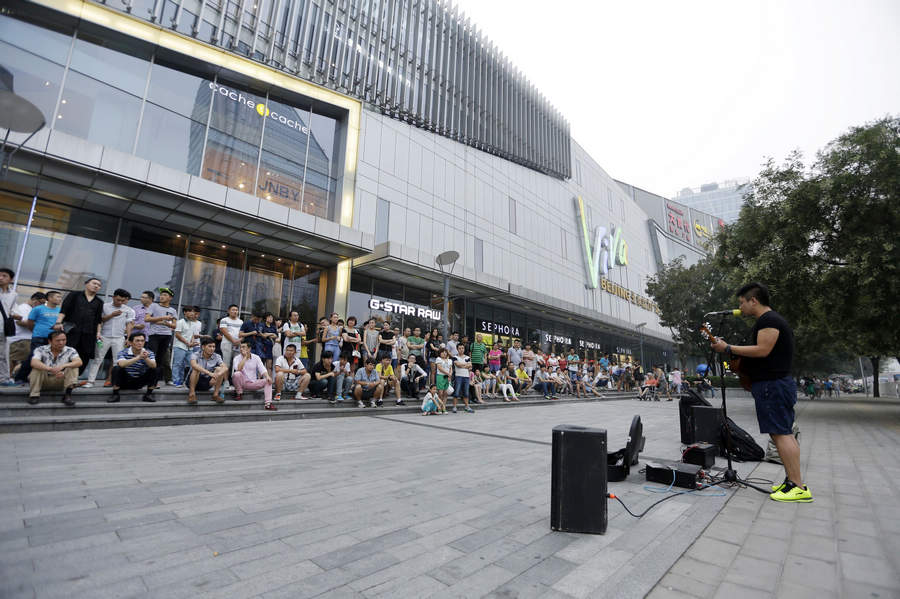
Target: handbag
{"x":9,"y":323}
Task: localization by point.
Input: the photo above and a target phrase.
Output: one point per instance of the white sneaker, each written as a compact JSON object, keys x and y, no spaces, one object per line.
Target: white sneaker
{"x":88,"y":385}
{"x":360,"y":404}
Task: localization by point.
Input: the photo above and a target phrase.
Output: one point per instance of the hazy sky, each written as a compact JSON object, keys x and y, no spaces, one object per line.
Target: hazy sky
{"x":669,"y":94}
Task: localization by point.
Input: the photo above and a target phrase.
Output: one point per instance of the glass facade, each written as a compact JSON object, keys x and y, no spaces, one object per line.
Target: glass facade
{"x":137,"y":102}
{"x":494,"y":323}
{"x":67,"y":245}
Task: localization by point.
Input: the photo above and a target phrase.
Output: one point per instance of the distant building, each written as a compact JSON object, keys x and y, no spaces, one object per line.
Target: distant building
{"x":722,"y":200}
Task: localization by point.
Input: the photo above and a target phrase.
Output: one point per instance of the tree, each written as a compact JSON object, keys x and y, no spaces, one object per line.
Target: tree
{"x":684,"y":295}
{"x":825,"y":240}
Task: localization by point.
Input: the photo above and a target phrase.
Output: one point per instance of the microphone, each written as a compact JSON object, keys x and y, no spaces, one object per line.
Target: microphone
{"x":734,"y":312}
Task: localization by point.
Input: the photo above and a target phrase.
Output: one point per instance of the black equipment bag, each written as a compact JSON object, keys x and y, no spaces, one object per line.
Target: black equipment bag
{"x":743,"y":447}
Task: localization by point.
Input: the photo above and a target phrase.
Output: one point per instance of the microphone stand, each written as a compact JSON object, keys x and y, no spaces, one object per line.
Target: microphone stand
{"x":730,"y":475}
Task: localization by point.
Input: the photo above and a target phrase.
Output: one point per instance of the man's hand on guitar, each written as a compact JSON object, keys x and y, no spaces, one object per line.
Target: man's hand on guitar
{"x":719,"y":344}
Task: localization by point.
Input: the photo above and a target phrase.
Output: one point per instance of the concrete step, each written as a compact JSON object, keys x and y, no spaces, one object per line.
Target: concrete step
{"x":92,"y":412}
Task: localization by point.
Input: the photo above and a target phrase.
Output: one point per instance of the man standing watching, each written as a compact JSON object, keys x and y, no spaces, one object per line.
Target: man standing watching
{"x":20,"y":344}
{"x":141,"y":312}
{"x":767,"y":360}
{"x":135,"y":367}
{"x":479,"y":352}
{"x":162,"y":318}
{"x":7,"y":302}
{"x":117,"y":321}
{"x":82,"y":313}
{"x":54,"y":366}
{"x":514,"y":354}
{"x":43,"y":320}
{"x":231,"y":334}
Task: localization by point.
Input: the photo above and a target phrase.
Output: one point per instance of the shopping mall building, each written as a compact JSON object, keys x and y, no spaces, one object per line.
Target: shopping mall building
{"x":318,"y":156}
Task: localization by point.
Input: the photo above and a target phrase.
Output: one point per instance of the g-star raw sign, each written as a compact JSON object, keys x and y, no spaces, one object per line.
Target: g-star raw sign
{"x":486,"y":326}
{"x":609,"y":249}
{"x":410,"y":309}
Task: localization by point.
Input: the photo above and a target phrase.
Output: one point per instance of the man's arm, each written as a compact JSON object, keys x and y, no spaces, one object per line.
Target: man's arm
{"x":224,"y":329}
{"x":765,"y":341}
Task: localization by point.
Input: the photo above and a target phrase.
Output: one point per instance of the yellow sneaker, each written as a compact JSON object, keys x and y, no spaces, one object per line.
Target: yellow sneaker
{"x":779,"y":485}
{"x":791,"y":493}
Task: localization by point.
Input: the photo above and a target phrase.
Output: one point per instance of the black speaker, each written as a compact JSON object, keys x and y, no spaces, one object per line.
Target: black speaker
{"x":686,"y":418}
{"x":578,"y":481}
{"x":708,"y":424}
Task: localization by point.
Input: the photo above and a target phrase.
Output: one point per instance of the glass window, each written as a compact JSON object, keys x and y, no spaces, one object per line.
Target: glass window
{"x":230,"y":161}
{"x":280,"y":180}
{"x":318,"y":194}
{"x":305,"y":295}
{"x":512,"y":216}
{"x":148,"y":258}
{"x":49,"y":44}
{"x":65,"y":246}
{"x":128,"y":73}
{"x":98,"y":112}
{"x":171,"y":139}
{"x":287,"y":131}
{"x":268,"y":285}
{"x":321,"y":143}
{"x":238,"y":113}
{"x":34,"y":78}
{"x":180,"y":92}
{"x":213,"y":278}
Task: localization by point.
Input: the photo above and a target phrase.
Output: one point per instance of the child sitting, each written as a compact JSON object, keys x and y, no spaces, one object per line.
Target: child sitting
{"x":432,"y":401}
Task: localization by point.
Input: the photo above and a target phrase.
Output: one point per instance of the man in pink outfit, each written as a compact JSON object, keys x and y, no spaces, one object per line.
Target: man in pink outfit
{"x":249,"y":372}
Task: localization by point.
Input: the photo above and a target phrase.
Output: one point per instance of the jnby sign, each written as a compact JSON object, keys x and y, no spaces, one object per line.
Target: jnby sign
{"x":409,"y":309}
{"x":609,"y":249}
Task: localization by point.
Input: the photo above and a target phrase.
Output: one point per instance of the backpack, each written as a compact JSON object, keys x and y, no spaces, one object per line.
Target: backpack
{"x":744,"y":447}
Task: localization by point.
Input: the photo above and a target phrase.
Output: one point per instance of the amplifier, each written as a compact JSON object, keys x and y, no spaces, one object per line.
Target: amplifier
{"x":708,"y":423}
{"x":578,"y":480}
{"x":673,"y":473}
{"x":701,"y":454}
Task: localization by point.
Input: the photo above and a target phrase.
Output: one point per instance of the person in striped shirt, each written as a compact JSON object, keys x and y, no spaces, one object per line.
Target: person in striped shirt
{"x":135,"y":367}
{"x":478,"y":353}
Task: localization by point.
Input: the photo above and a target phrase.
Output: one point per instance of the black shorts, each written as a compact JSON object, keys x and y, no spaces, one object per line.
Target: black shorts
{"x":775,"y":405}
{"x":368,"y":393}
{"x":204,"y":383}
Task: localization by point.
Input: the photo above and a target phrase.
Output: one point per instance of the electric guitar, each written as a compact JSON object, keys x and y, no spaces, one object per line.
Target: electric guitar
{"x":734,"y":362}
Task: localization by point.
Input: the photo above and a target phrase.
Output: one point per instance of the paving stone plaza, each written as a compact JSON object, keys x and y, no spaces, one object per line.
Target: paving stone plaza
{"x":454,"y":506}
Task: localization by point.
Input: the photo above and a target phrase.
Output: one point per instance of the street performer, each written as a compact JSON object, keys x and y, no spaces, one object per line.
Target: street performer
{"x":767,"y":361}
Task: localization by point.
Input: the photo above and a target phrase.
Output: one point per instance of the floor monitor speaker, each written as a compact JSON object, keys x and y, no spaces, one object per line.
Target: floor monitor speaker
{"x":578,"y":480}
{"x":708,"y":424}
{"x":686,"y":418}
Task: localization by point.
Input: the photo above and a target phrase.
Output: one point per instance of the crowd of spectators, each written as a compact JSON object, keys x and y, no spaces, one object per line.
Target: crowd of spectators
{"x":62,"y":343}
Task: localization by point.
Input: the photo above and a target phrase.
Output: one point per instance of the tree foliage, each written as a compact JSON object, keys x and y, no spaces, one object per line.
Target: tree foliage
{"x":684,"y":294}
{"x":825,"y":240}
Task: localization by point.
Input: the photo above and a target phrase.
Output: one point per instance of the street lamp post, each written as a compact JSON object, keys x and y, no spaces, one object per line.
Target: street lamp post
{"x":18,"y":115}
{"x":640,"y":329}
{"x":446,"y":260}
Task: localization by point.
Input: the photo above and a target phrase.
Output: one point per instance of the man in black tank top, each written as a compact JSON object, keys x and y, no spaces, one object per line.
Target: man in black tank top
{"x":767,"y":360}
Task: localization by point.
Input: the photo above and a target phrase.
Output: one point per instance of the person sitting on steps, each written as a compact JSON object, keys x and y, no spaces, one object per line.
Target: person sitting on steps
{"x":135,"y":367}
{"x":54,"y":366}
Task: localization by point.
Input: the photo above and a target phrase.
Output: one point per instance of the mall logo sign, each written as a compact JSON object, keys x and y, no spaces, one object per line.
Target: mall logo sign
{"x":609,"y":250}
{"x":260,"y":108}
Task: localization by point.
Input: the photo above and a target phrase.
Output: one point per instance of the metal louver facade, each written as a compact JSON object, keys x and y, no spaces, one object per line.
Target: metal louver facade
{"x":419,"y":61}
